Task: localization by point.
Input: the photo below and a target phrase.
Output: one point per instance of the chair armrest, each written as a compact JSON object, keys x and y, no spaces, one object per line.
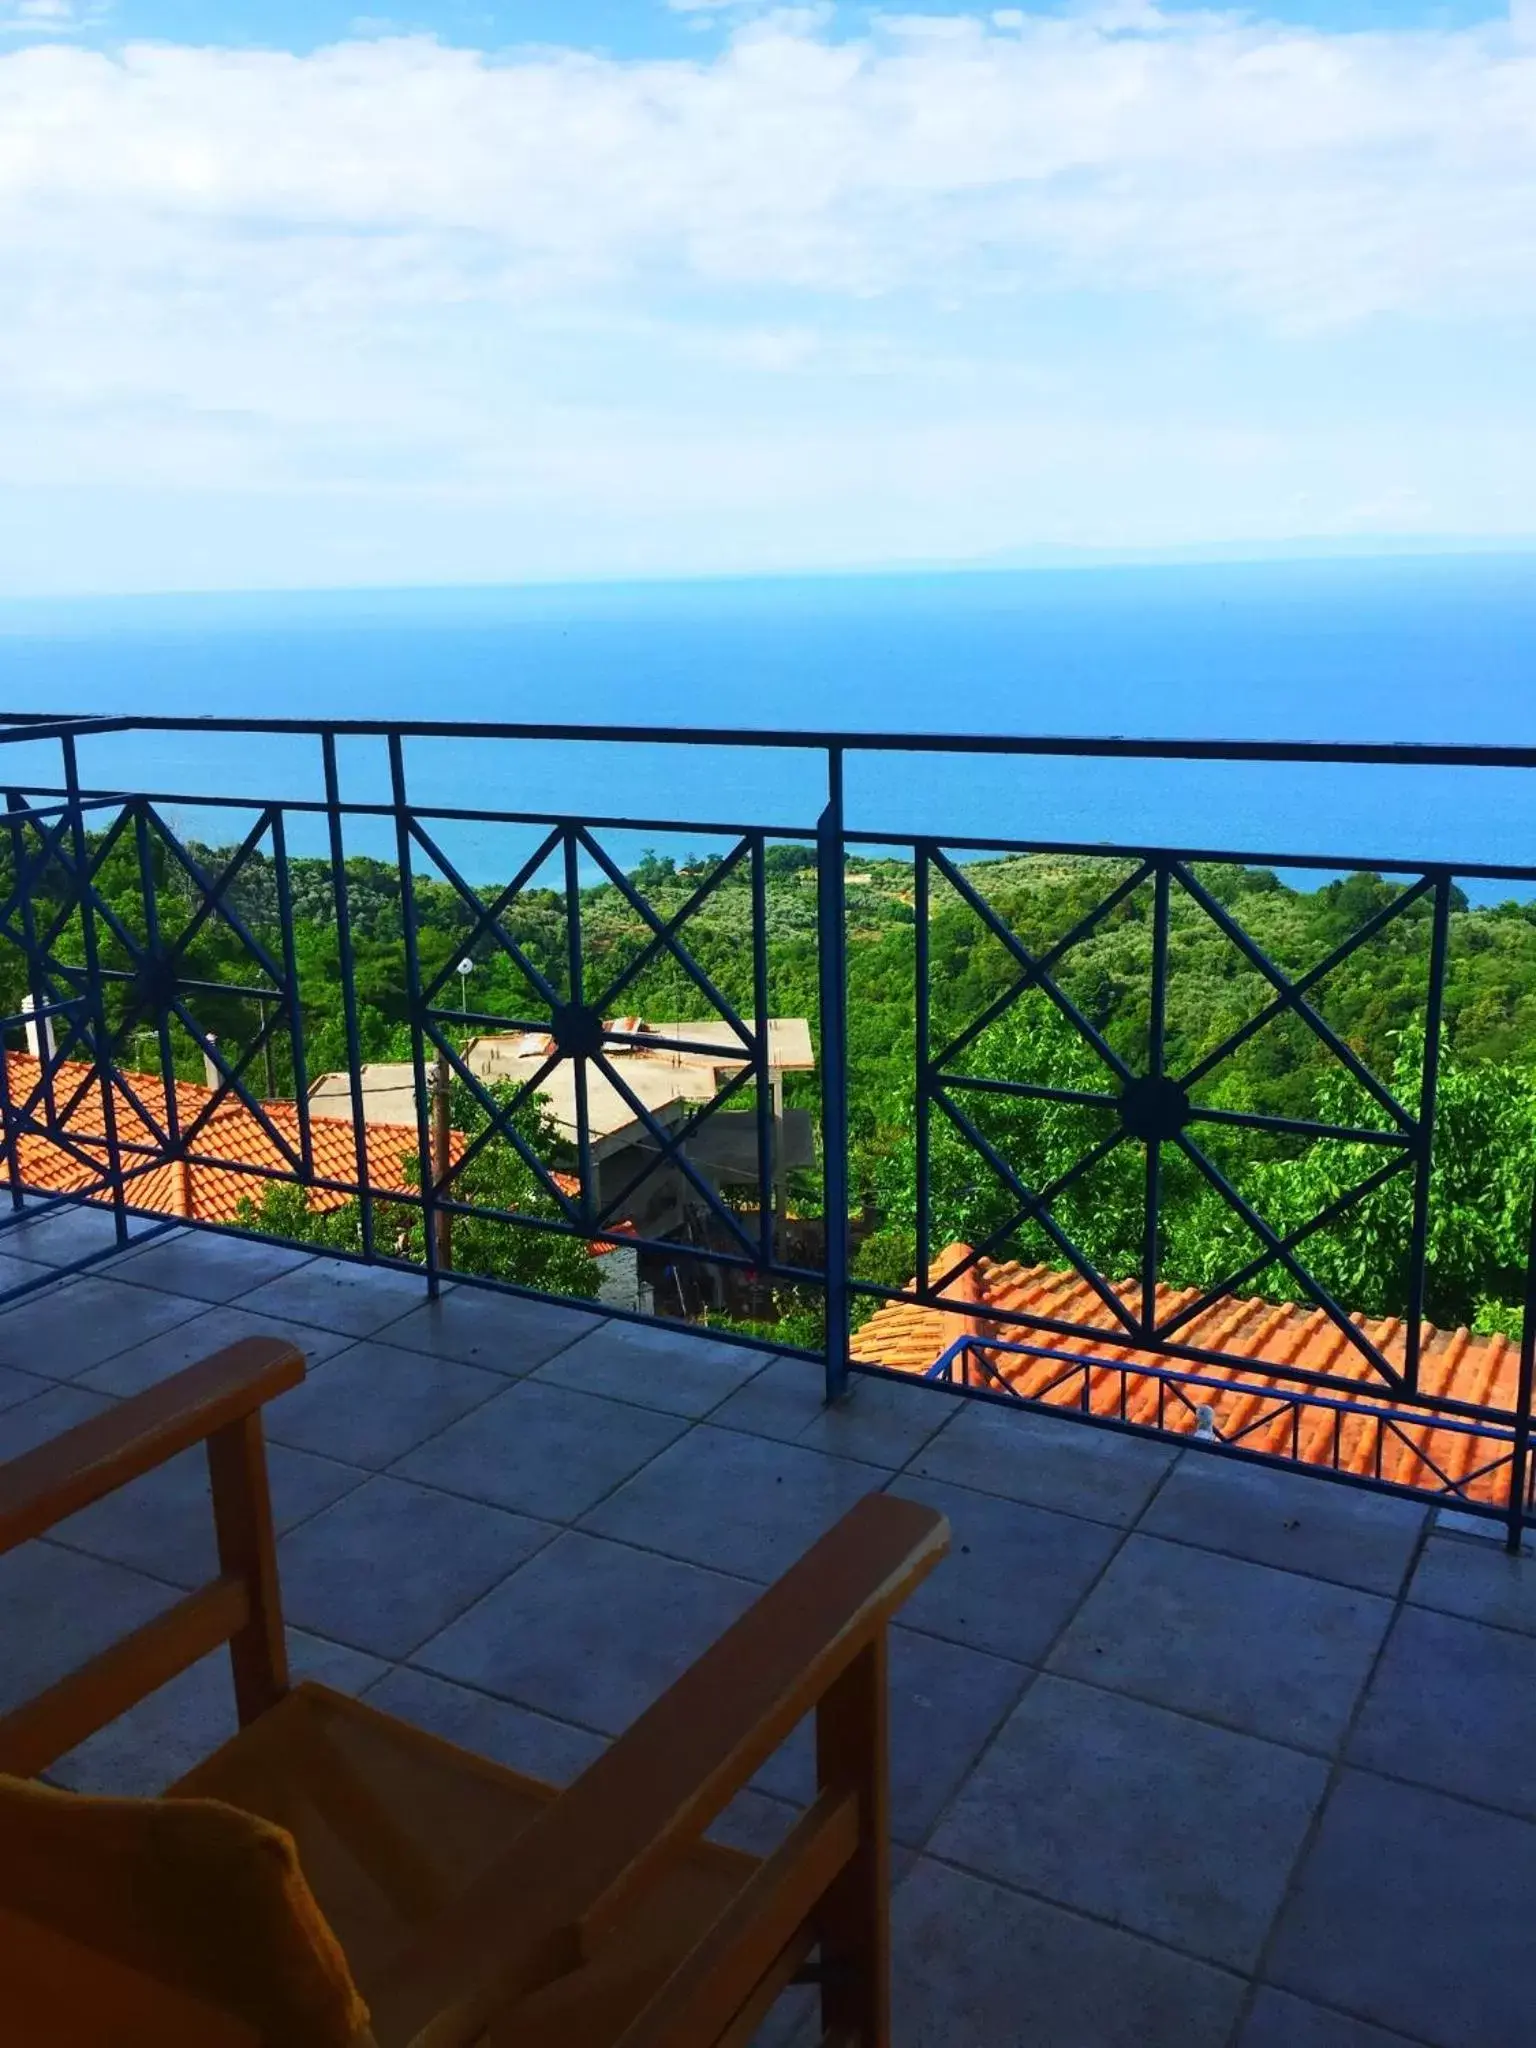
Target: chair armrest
{"x":662,"y":1783}
{"x":44,"y":1485}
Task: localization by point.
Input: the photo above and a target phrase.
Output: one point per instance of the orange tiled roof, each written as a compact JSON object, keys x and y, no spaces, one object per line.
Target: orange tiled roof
{"x":232,"y":1134}
{"x":1257,"y":1335}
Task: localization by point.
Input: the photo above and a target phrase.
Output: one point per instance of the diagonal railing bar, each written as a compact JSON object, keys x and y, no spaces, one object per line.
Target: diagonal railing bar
{"x":1047,"y":961}
{"x":231,"y":1083}
{"x":100,"y":1071}
{"x":1223,"y":1290}
{"x":499,"y":1122}
{"x":488,"y":919}
{"x":82,"y":872}
{"x":1026,"y":959}
{"x":1051,"y":1192}
{"x":662,"y":1138}
{"x":670,"y":1146}
{"x":215,"y":893}
{"x":1301,"y":1127}
{"x":31,"y":866}
{"x":1303,"y":983}
{"x":1033,"y":1091}
{"x":289,"y":997}
{"x":1255,"y":953}
{"x":1293,"y":1266}
{"x":1037,"y":1212}
{"x":669,"y":939}
{"x":55,"y":1130}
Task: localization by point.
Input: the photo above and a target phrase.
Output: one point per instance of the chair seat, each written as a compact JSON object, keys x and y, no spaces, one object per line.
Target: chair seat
{"x":392,"y":1824}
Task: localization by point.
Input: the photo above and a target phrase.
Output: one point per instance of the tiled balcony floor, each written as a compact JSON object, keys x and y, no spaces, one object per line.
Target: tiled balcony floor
{"x":1184,"y":1754}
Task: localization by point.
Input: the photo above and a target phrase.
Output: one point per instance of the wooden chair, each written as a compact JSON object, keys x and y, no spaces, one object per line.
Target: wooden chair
{"x":464,"y":1902}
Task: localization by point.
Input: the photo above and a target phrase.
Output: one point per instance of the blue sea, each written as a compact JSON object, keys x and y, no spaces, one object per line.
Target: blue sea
{"x":1405,"y":648}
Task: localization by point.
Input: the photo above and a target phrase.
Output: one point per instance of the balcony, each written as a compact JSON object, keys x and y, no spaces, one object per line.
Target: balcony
{"x":1212,"y":1729}
{"x":1185,"y":1751}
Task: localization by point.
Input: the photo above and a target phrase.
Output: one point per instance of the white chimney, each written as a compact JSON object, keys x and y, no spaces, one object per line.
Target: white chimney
{"x":39,"y":1032}
{"x":211,"y":1075}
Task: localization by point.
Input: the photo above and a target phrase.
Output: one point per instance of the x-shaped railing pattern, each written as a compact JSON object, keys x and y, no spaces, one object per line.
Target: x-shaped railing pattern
{"x":1407,"y":1137}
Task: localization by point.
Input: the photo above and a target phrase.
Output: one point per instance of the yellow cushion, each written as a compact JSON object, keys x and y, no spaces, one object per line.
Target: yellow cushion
{"x":191,"y":1892}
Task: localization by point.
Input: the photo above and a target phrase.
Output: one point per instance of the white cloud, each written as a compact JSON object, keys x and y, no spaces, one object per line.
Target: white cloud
{"x":420,"y":269}
{"x":48,"y":17}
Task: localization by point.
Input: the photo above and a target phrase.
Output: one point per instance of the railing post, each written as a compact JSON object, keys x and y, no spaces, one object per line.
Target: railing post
{"x":831,"y":931}
{"x":100,"y":1034}
{"x":342,"y":907}
{"x":413,"y":996}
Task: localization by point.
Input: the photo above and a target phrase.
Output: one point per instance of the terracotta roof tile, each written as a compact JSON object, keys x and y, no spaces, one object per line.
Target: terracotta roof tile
{"x":76,"y":1162}
{"x":1259,"y":1337}
{"x":233,"y":1136}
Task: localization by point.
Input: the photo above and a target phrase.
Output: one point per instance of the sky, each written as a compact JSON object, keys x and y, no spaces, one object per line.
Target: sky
{"x":292,"y":296}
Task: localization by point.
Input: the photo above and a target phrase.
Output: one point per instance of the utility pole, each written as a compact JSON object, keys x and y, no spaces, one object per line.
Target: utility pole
{"x":442,"y":1218}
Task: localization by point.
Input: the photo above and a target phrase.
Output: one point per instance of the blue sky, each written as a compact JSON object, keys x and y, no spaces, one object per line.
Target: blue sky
{"x":493,"y":292}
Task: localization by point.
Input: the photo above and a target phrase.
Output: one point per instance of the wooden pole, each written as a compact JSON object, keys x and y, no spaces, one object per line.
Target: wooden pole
{"x":443,"y":1218}
{"x":780,"y":1170}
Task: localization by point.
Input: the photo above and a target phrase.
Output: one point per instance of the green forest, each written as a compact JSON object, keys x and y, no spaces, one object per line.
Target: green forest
{"x":1070,"y":1153}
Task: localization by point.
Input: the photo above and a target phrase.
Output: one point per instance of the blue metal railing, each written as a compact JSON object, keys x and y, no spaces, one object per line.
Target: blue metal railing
{"x":99,"y":981}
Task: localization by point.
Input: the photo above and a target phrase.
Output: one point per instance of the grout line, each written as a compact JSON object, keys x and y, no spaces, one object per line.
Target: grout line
{"x":1337,"y":1767}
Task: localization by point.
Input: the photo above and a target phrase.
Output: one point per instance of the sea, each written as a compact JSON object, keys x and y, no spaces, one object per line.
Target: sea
{"x":1400,"y":648}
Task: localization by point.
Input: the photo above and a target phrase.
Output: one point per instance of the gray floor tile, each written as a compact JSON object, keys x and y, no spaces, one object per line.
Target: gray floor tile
{"x":16,"y":1272}
{"x":210,"y":1329}
{"x":1290,"y":1519}
{"x":754,"y":1822}
{"x":1264,"y":1651}
{"x":338,"y":1294}
{"x":63,"y":1332}
{"x":1450,"y":1707}
{"x":162,"y":1523}
{"x":1168,"y":1826}
{"x":508,"y":1734}
{"x":946,"y":1702}
{"x":1478,"y":1581}
{"x":373,"y":1403}
{"x":542,"y":1450}
{"x":16,"y":1387}
{"x":883,"y":1422}
{"x":656,"y":1365}
{"x":1415,"y":1911}
{"x":505,"y":1333}
{"x":1048,"y":1461}
{"x":60,"y":1236}
{"x":1014,"y":1574}
{"x":1280,"y":2021}
{"x":976,"y":1964}
{"x":588,"y":1631}
{"x":391,"y":1564}
{"x":45,"y":1416}
{"x":60,"y":1609}
{"x":206,"y":1266}
{"x":741,"y":1503}
{"x":160,"y":1739}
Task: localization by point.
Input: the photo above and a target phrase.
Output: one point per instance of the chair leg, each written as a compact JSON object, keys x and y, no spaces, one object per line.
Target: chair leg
{"x":242,"y":1516}
{"x":852,"y":1751}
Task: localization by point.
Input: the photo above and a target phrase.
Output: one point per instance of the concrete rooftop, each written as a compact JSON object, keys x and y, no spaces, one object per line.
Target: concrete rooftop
{"x":1186,"y":1755}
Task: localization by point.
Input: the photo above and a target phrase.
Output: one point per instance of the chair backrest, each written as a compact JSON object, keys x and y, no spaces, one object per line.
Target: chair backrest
{"x":188,"y":1896}
{"x":218,"y":1401}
